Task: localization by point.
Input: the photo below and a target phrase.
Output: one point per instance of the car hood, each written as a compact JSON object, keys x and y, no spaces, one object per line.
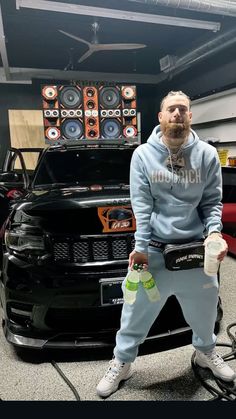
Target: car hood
{"x":72,"y":198}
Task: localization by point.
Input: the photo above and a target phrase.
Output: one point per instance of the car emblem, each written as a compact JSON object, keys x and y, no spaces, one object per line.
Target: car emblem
{"x":117,"y":219}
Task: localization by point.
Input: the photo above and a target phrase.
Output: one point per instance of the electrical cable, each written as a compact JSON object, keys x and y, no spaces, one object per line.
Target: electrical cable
{"x":226,"y":390}
{"x":68,"y":382}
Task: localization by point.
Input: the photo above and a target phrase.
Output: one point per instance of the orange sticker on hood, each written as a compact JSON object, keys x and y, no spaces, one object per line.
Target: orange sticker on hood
{"x":117,"y":219}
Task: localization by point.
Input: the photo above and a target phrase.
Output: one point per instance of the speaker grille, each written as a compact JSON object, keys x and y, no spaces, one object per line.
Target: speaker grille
{"x":72,"y":129}
{"x":111,"y":128}
{"x":109,"y":97}
{"x":70,"y":97}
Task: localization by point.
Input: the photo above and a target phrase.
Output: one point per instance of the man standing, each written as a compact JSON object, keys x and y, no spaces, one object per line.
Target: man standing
{"x":176,"y":192}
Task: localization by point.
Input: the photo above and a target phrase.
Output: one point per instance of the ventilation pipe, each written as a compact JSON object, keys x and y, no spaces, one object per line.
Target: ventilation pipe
{"x":219,"y":7}
{"x":200,"y":53}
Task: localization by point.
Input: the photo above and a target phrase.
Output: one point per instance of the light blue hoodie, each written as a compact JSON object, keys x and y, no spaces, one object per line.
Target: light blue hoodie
{"x":175,"y":198}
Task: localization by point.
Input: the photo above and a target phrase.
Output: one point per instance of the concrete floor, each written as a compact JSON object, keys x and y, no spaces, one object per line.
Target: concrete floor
{"x":165,"y":376}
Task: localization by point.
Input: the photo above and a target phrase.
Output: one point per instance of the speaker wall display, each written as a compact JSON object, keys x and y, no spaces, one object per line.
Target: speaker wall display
{"x":82,"y":113}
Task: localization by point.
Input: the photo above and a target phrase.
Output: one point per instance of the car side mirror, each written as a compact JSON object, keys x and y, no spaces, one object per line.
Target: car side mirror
{"x":10,"y":177}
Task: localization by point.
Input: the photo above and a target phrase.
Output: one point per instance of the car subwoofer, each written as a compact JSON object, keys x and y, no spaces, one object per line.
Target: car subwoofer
{"x":70,"y":97}
{"x":109,"y":97}
{"x":72,"y":129}
{"x":111,"y":128}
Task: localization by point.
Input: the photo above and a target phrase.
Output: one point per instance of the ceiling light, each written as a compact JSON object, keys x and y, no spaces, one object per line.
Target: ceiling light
{"x":117,"y":14}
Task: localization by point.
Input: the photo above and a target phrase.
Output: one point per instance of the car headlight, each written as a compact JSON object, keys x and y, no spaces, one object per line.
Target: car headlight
{"x":21,"y":241}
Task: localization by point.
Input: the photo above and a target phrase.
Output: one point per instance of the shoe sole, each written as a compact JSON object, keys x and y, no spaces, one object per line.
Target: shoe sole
{"x":228,"y":380}
{"x":116,"y":388}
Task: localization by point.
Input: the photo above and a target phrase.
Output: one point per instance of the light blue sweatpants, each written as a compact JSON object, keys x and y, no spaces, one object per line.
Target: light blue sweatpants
{"x":197,"y":294}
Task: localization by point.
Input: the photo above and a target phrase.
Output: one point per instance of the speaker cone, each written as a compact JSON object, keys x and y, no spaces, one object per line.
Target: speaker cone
{"x":72,"y":129}
{"x":92,"y":133}
{"x":128,"y":92}
{"x":90,"y":104}
{"x":90,"y":92}
{"x":91,"y":122}
{"x":52,"y":133}
{"x":130,"y":131}
{"x":111,"y":128}
{"x":49,"y":92}
{"x":70,"y":97}
{"x":109,"y":97}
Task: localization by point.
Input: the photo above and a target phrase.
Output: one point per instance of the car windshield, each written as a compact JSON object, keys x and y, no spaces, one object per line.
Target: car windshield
{"x":83,"y":167}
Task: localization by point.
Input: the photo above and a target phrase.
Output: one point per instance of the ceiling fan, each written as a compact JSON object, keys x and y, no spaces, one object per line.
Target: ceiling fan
{"x":95,"y":46}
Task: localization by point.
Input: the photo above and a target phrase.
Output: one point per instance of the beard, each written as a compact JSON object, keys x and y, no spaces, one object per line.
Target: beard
{"x":175,"y":130}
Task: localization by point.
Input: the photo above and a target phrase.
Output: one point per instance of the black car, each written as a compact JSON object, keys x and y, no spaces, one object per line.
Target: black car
{"x":65,"y":254}
{"x":15,"y":177}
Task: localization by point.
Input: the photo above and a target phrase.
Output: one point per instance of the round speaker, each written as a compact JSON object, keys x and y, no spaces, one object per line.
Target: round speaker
{"x":111,"y":128}
{"x":49,"y":92}
{"x":130,"y":131}
{"x":109,"y":97}
{"x":52,"y":133}
{"x":90,"y":91}
{"x":70,"y":97}
{"x":92,"y":133}
{"x":103,"y":112}
{"x":128,"y":92}
{"x":91,"y":122}
{"x":90,"y":104}
{"x":64,"y":113}
{"x":72,"y":129}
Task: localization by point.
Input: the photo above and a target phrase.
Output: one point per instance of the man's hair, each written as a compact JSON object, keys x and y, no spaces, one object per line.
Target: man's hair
{"x":174,"y":93}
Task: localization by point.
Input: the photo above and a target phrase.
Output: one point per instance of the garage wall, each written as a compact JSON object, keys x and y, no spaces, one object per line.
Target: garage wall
{"x":214,"y":119}
{"x":14,"y":96}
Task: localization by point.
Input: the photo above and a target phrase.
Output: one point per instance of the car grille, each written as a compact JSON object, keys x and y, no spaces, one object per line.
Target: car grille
{"x":92,"y":249}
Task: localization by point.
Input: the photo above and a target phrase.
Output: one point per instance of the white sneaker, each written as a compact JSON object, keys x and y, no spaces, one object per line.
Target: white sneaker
{"x":117,"y":372}
{"x":216,"y":364}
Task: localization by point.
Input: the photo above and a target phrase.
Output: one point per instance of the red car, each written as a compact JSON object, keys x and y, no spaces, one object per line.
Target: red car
{"x":229,"y":208}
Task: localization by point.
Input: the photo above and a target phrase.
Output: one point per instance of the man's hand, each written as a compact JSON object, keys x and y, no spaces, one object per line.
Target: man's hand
{"x":218,"y":236}
{"x":137,"y":257}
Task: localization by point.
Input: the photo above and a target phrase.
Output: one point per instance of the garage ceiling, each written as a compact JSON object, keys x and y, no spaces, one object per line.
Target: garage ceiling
{"x":38,"y":38}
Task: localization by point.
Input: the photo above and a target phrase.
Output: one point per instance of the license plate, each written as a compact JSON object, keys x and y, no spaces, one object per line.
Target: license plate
{"x":111,"y":292}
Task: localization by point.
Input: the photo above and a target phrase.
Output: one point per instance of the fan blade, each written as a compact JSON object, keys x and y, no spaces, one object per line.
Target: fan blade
{"x":86,"y":55}
{"x":75,"y":37}
{"x":118,"y":46}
